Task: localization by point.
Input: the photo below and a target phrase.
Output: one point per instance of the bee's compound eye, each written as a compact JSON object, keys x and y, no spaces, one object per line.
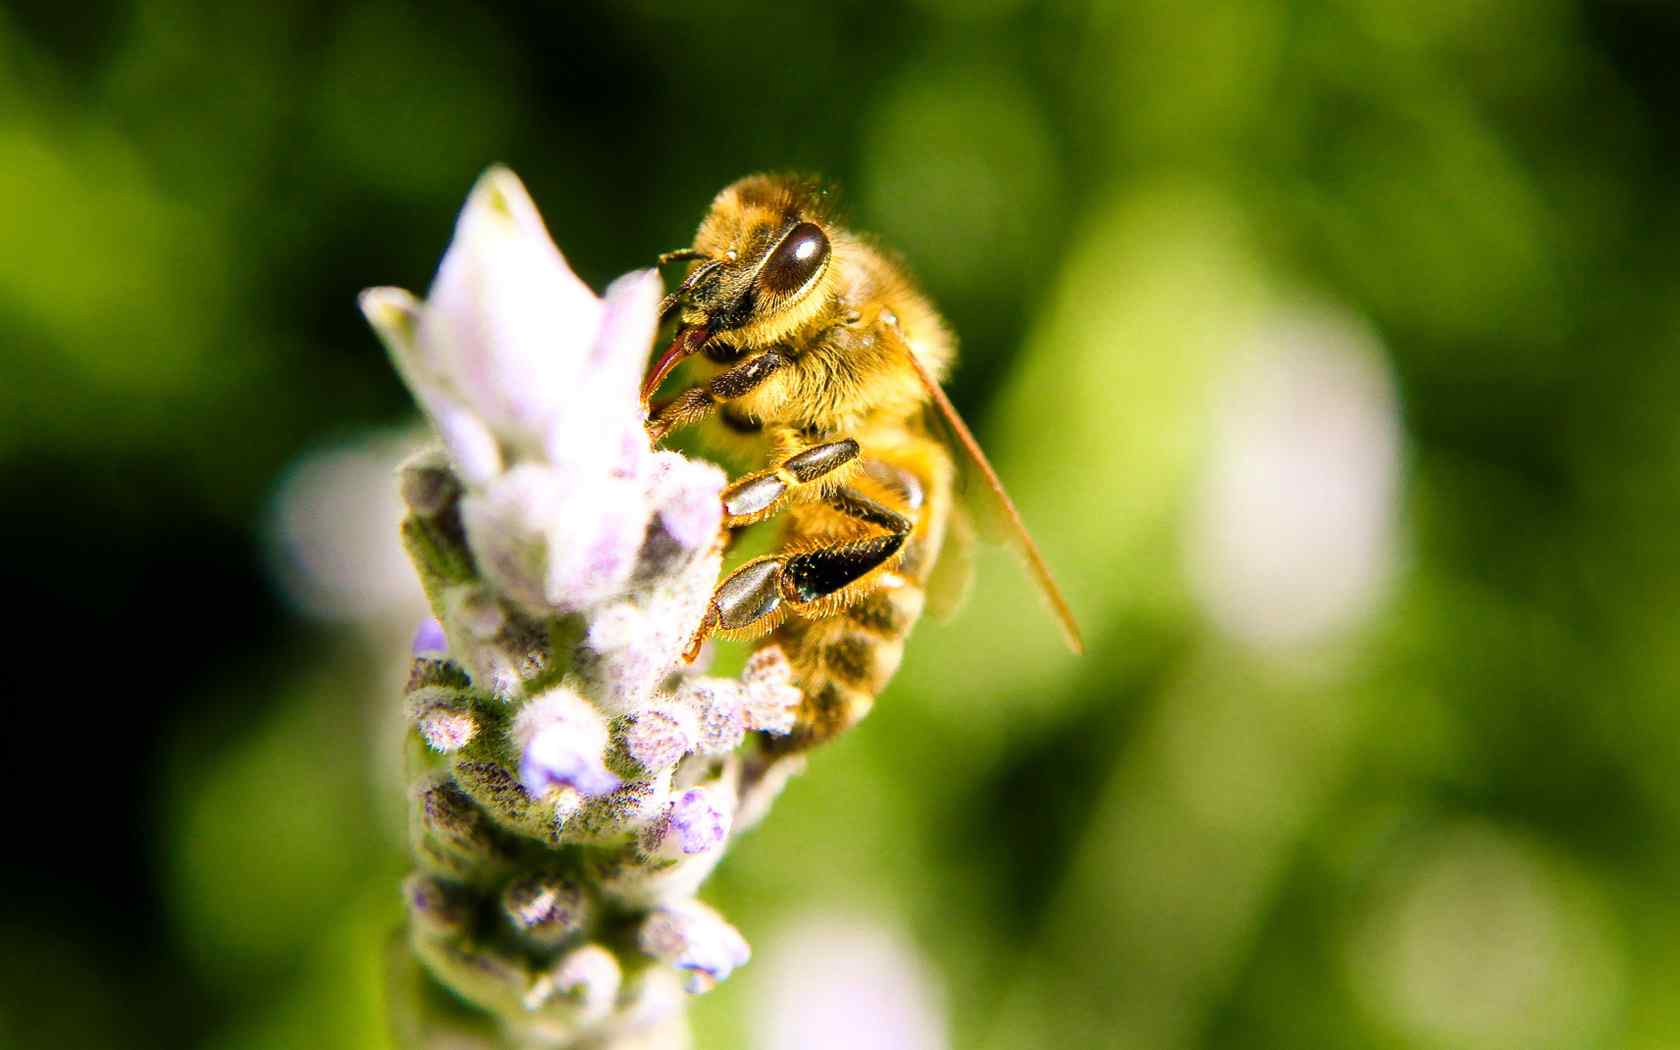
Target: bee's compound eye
{"x":800,"y":255}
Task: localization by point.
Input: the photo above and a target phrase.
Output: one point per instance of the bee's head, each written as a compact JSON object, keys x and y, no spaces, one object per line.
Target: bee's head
{"x":757,"y":292}
{"x":761,"y":268}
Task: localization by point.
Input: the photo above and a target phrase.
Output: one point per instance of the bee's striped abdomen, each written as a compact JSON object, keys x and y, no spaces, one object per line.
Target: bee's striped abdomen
{"x":841,"y":663}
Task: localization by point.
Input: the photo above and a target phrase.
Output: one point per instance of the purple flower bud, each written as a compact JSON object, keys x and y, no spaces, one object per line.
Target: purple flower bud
{"x":771,"y":697}
{"x":435,"y":906}
{"x":443,"y":716}
{"x":697,"y":822}
{"x":547,"y":908}
{"x":657,"y":736}
{"x":768,"y":665}
{"x":553,"y":759}
{"x":771,"y":708}
{"x":588,"y":977}
{"x":694,"y":823}
{"x":561,"y":739}
{"x":719,"y":708}
{"x":696,"y":940}
{"x":429,"y":639}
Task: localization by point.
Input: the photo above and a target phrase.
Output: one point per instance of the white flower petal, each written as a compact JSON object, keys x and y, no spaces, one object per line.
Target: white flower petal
{"x":507,"y":324}
{"x":627,"y":328}
{"x":554,"y":540}
{"x":476,"y":453}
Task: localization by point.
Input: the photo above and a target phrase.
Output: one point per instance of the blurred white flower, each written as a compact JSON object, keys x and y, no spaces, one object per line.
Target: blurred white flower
{"x":1294,"y":534}
{"x":333,"y":532}
{"x":831,"y":982}
{"x":1480,"y":941}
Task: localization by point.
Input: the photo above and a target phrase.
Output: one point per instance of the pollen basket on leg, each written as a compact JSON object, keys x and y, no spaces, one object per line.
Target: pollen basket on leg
{"x":817,"y":573}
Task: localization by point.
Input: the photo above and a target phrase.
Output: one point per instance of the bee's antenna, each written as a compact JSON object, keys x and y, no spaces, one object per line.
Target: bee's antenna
{"x":701,"y":273}
{"x":680,"y":255}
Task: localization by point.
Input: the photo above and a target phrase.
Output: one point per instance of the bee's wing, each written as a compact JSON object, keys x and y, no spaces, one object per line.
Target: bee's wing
{"x":1022,"y":539}
{"x":949,"y":582}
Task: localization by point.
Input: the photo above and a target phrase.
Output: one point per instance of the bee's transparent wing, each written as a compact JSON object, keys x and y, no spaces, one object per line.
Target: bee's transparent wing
{"x":953,"y":573}
{"x":1020,"y":538}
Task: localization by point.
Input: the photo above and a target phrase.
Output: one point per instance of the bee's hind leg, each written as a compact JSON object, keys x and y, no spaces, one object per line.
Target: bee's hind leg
{"x":806,"y":581}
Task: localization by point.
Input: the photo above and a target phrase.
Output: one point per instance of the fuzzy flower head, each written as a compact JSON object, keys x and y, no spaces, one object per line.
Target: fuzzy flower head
{"x":508,"y":330}
{"x":526,"y":376}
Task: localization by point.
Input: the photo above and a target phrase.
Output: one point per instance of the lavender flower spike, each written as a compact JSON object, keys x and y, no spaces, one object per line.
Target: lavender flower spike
{"x":571,"y":778}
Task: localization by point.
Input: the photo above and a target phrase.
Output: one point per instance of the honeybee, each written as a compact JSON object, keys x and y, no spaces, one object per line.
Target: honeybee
{"x":820,"y":353}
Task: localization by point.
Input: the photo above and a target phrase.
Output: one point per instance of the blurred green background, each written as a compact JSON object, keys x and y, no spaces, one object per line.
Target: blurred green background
{"x":1329,"y":348}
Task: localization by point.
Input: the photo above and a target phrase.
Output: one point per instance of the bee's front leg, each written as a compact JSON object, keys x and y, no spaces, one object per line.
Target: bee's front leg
{"x":697,"y":402}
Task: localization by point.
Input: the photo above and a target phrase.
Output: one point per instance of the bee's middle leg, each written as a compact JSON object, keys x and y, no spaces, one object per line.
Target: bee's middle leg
{"x":756,"y":496}
{"x":803,"y":582}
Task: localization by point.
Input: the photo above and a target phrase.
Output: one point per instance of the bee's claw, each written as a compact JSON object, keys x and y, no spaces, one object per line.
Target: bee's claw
{"x":701,"y":633}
